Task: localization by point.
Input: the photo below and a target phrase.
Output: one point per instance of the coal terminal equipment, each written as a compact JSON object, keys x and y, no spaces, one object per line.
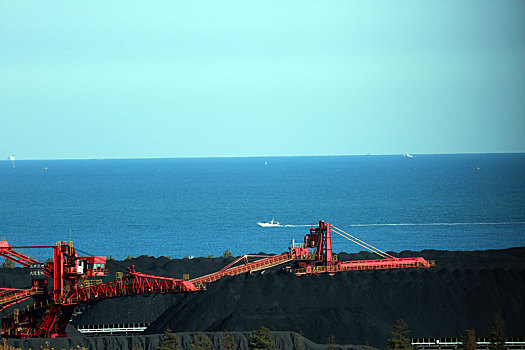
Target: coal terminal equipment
{"x":82,"y":282}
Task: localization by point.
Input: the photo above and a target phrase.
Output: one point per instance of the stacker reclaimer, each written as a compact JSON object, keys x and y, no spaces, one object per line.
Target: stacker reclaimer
{"x":73,"y":282}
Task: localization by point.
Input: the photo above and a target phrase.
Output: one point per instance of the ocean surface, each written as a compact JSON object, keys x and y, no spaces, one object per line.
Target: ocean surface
{"x":199,"y":207}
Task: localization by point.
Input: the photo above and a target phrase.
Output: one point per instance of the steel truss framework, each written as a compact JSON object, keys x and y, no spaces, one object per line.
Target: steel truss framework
{"x":52,"y":310}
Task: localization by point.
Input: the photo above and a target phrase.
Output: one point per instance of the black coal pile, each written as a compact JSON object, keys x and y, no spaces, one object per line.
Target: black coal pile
{"x":175,"y":268}
{"x":15,"y":278}
{"x":145,"y":308}
{"x":463,"y":291}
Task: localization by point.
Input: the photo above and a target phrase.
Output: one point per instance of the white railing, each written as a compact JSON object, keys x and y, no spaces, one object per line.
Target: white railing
{"x":112,"y":328}
{"x":297,"y":245}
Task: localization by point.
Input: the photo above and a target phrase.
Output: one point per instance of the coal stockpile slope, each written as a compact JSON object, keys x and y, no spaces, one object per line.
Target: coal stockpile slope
{"x":145,"y":308}
{"x":175,"y":268}
{"x":134,"y":309}
{"x":463,"y":291}
{"x":15,"y":278}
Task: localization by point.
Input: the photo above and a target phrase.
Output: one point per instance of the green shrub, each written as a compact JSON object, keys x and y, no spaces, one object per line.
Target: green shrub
{"x":261,"y":339}
{"x":497,"y":336}
{"x":399,"y":340}
{"x":228,"y":341}
{"x":201,"y":342}
{"x":8,"y":264}
{"x":170,"y":341}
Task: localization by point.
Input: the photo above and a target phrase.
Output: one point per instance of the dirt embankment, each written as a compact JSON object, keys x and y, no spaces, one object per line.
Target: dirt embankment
{"x":283,"y":340}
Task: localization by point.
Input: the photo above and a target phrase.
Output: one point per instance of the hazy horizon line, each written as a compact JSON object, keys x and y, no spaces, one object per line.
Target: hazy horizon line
{"x":265,"y":156}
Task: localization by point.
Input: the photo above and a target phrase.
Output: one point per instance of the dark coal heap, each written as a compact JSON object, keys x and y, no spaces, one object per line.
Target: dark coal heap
{"x":463,"y":291}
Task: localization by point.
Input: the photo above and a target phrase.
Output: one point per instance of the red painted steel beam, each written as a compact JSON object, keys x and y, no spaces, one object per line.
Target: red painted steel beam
{"x":10,"y":295}
{"x":382,"y":264}
{"x":21,"y":259}
{"x":134,"y":284}
{"x":5,"y":306}
{"x":2,"y":289}
{"x":253,"y":266}
{"x":32,"y":246}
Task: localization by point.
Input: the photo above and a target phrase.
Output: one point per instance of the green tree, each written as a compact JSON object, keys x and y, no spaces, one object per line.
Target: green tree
{"x":228,"y":341}
{"x":170,"y":341}
{"x":300,"y":341}
{"x":9,"y":264}
{"x":367,"y":347}
{"x":468,"y":340}
{"x":399,"y":340}
{"x":201,"y":342}
{"x":227,"y":254}
{"x":261,"y":339}
{"x":5,"y":346}
{"x":330,"y":341}
{"x":497,"y":336}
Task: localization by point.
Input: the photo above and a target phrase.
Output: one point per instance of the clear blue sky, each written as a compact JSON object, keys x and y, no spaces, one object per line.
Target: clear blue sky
{"x":126,"y":79}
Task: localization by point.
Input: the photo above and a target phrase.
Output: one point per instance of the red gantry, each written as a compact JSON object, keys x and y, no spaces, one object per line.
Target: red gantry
{"x":74,"y":283}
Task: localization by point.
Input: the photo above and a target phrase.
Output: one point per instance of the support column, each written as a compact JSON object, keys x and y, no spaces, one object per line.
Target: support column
{"x":58,"y":272}
{"x":328,"y":243}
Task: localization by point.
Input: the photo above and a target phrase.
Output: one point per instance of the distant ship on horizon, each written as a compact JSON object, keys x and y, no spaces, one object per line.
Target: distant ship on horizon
{"x":12,"y":160}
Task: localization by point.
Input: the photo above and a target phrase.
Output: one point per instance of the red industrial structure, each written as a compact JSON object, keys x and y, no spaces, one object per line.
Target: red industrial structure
{"x":315,"y":256}
{"x":51,"y":312}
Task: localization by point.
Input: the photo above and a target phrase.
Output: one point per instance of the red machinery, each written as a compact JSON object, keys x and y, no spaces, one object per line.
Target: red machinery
{"x":322,"y":259}
{"x":315,"y":256}
{"x":49,"y":315}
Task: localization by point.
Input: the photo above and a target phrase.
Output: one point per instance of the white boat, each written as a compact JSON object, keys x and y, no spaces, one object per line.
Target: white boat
{"x":408,"y":155}
{"x":272,"y":223}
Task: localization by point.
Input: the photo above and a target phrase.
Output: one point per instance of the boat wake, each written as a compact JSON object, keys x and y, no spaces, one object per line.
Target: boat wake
{"x":422,"y":224}
{"x":444,"y":224}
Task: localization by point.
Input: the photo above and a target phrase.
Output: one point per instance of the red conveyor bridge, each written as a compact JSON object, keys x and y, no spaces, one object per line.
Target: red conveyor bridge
{"x":73,"y":281}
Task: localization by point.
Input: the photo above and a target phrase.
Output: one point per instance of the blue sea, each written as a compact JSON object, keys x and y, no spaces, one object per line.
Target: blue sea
{"x":204,"y":206}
